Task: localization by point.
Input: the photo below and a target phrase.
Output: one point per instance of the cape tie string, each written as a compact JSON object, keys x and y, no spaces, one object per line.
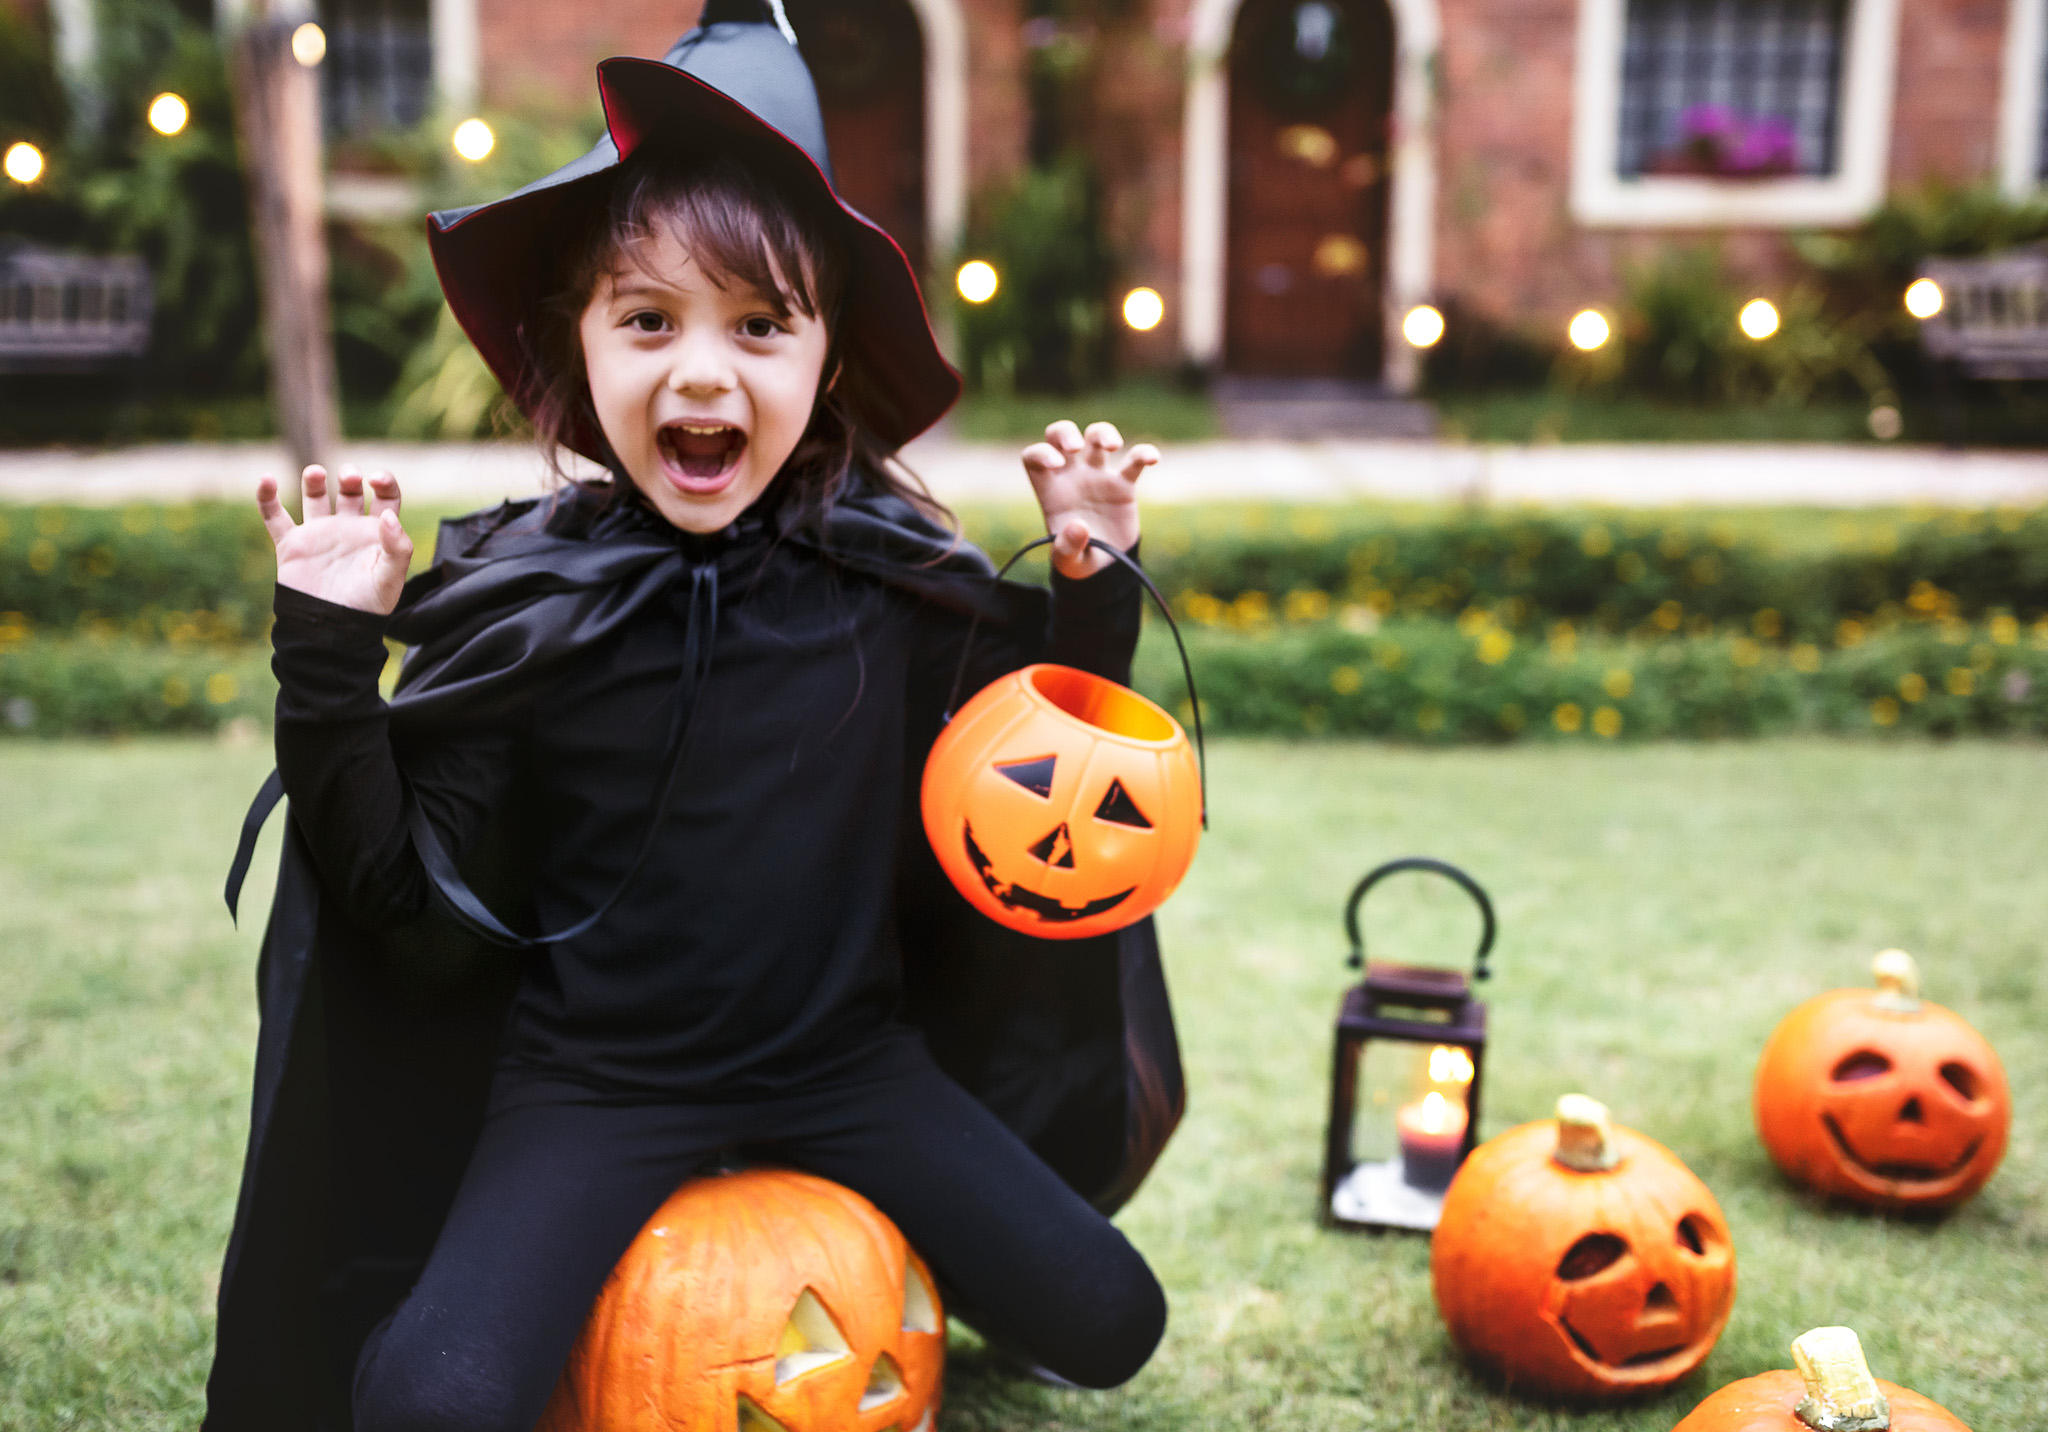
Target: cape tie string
{"x":700,"y":631}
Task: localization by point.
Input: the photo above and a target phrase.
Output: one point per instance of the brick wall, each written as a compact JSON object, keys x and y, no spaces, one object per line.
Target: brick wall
{"x":545,"y":49}
{"x":1951,"y":55}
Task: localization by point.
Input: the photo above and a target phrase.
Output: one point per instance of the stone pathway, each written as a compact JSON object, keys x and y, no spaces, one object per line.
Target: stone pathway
{"x":1642,"y":474}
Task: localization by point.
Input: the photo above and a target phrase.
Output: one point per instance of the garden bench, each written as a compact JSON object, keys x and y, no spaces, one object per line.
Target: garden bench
{"x":1994,"y":315}
{"x":67,"y":313}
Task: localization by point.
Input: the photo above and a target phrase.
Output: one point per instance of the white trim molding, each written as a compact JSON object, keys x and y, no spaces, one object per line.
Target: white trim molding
{"x":1205,"y":182}
{"x":2021,"y":98}
{"x":945,"y":125}
{"x":1601,"y":197}
{"x":458,"y":66}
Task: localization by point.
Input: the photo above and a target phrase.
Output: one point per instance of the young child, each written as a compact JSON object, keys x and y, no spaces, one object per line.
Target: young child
{"x":669,"y":728}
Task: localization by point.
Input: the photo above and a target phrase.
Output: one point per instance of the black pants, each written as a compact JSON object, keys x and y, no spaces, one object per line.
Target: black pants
{"x":556,"y":1189}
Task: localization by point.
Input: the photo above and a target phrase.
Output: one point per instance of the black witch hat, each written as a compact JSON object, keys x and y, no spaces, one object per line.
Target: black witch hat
{"x":735,"y":81}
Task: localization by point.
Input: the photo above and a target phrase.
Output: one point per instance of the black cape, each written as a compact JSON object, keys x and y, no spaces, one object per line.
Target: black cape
{"x":375,"y":1050}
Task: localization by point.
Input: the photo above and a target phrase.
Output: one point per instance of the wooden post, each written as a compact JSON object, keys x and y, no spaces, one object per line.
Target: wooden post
{"x":277,"y":106}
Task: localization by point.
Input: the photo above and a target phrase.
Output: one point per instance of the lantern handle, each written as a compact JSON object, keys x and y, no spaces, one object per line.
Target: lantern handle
{"x":1186,"y":668}
{"x":1439,"y":867}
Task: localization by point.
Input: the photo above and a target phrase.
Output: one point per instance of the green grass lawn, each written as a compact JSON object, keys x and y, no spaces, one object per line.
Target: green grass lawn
{"x":1661,"y":907}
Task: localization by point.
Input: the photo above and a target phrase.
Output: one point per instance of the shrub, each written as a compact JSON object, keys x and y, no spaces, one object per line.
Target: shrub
{"x":205,"y":569}
{"x":119,"y":686}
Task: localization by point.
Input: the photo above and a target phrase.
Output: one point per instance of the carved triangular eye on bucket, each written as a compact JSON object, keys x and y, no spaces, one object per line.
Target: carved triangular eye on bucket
{"x":885,"y":1384}
{"x":810,"y":1339}
{"x":920,"y":1309}
{"x":1034,"y":775}
{"x":1057,"y":849}
{"x":753,"y":1419}
{"x":1119,"y":809}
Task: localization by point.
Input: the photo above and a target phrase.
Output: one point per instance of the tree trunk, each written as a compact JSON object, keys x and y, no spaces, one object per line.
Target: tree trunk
{"x":277,"y":104}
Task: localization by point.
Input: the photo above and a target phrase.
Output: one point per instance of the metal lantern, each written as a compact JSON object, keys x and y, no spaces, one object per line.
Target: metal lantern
{"x":1403,"y":1120}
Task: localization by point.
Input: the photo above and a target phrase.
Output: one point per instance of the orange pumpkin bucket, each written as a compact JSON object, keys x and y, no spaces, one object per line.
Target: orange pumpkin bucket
{"x":1062,"y":804}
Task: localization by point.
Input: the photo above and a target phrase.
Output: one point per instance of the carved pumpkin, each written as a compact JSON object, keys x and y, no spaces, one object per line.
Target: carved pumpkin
{"x":1582,"y":1261}
{"x":762,"y":1301}
{"x":1879,"y":1096}
{"x":1062,"y":804}
{"x":1832,"y":1391}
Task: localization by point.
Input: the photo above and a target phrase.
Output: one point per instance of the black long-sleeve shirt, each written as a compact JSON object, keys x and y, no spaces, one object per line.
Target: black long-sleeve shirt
{"x":757,"y":945}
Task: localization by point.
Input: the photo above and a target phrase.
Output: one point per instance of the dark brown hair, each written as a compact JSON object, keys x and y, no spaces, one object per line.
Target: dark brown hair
{"x":741,"y":228}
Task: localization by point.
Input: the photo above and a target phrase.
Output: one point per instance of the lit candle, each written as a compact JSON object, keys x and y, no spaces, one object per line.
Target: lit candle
{"x":1432,"y":1131}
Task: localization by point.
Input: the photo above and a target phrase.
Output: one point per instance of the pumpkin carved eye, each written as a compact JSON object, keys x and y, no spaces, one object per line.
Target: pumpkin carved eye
{"x":1863,"y":1064}
{"x":1035,"y":775}
{"x":1694,"y":1234}
{"x":1119,"y":809}
{"x":1962,"y":1079}
{"x":920,"y":1310}
{"x":885,"y":1384}
{"x":1591,"y":1254}
{"x":810,"y":1340}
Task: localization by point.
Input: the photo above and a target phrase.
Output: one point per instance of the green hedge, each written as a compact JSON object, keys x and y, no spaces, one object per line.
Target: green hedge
{"x":1436,"y":681}
{"x":119,"y":686}
{"x":204,"y":570}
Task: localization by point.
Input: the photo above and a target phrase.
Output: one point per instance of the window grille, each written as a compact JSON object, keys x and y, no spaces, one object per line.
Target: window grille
{"x":1735,"y":88}
{"x":379,"y":70}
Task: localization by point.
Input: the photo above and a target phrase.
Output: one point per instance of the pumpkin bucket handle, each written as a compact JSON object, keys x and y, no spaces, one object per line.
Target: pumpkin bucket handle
{"x":1437,"y":867}
{"x":1187,"y":669}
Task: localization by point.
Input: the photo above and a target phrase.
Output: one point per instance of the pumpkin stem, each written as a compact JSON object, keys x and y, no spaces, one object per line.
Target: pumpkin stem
{"x":1898,"y":980}
{"x":1841,"y":1395}
{"x":1585,"y":1135}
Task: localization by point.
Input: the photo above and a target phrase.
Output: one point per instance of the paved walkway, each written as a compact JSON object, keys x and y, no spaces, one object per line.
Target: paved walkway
{"x":1622,"y":474}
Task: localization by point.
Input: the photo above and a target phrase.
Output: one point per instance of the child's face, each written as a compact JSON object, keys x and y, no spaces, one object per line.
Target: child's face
{"x":702,"y":391}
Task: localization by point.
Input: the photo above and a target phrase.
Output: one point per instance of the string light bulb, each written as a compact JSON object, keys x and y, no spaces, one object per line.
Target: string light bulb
{"x":1423,"y":327}
{"x":473,"y":140}
{"x":1758,"y":319}
{"x":24,"y":162}
{"x":309,"y":44}
{"x":1588,"y":330}
{"x":168,"y":114}
{"x":1143,"y":308}
{"x":1923,"y":298}
{"x":977,"y":281}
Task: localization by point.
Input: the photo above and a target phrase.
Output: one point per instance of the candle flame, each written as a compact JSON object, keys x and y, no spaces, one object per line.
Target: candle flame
{"x":1436,"y":1113}
{"x":1449,"y":1065}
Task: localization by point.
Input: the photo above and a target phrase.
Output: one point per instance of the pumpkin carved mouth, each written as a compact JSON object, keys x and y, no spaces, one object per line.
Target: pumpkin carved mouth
{"x":1897,"y":1172}
{"x":1016,"y":897}
{"x":1634,"y":1363}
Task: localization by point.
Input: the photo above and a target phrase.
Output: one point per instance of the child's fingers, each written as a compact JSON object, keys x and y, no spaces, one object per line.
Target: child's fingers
{"x":1043,"y":457}
{"x":1064,"y":436}
{"x":1103,"y":439}
{"x":1139,"y":458}
{"x":348,"y":490}
{"x":276,"y":521}
{"x":1070,"y":543}
{"x":384,"y":494}
{"x":391,"y":536}
{"x":313,"y":496}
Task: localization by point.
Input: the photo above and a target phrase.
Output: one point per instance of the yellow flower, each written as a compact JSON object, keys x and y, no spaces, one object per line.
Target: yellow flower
{"x":2005,"y":629}
{"x":1473,"y":620}
{"x":1564,"y":640}
{"x":1961,"y":681}
{"x":1568,"y":717}
{"x":1251,"y":609}
{"x":1389,"y":654}
{"x":1618,"y":682}
{"x":1306,"y":605}
{"x":1767,"y":623}
{"x":42,"y":556}
{"x":1345,"y":680}
{"x":1884,"y":711}
{"x":1669,"y":615}
{"x":1744,"y":652}
{"x":135,"y":520}
{"x":1849,"y":632}
{"x":1596,"y":541}
{"x":1912,"y":686}
{"x":1494,"y":646}
{"x":177,"y":691}
{"x":221,"y":688}
{"x":1606,"y":722}
{"x":1806,"y":658}
{"x":1203,"y":608}
{"x":1629,"y":567}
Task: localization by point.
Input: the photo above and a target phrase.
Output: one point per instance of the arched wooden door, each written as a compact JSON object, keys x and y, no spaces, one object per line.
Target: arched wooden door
{"x":1311,"y":83}
{"x":868,"y":59}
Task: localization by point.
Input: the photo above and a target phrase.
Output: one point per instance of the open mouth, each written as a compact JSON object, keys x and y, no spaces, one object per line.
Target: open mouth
{"x":1016,"y":897}
{"x":1897,"y":1172}
{"x":700,"y":456}
{"x":1635,"y":1363}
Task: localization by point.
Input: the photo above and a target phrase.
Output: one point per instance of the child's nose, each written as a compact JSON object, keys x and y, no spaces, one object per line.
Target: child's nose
{"x":699,"y":365}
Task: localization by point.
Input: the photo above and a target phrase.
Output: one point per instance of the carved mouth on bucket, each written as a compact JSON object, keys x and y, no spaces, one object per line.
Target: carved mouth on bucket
{"x":1016,"y":897}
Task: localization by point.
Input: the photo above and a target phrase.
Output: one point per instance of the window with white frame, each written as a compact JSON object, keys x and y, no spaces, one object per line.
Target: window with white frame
{"x":379,"y":70}
{"x":1731,"y":88}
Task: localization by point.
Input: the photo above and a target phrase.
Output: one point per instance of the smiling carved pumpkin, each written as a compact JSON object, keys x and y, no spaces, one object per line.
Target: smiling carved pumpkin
{"x":1062,"y":804}
{"x":1582,"y":1261}
{"x":1832,"y":1391}
{"x":1877,"y":1095}
{"x":761,"y":1301}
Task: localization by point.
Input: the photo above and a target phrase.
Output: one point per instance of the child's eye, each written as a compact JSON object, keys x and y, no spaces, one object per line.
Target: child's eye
{"x":760,"y":327}
{"x":647,"y":321}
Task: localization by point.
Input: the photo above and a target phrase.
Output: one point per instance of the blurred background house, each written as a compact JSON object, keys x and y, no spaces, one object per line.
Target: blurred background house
{"x":1293,"y":178}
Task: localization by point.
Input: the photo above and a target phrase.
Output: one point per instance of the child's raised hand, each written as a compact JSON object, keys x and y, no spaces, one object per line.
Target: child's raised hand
{"x":1087,"y":486}
{"x":340,"y":553}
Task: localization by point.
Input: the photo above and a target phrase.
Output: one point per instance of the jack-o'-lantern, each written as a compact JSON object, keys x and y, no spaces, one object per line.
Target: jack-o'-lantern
{"x":1579,"y":1260}
{"x":1062,"y":804}
{"x":1879,"y":1096}
{"x":1832,"y":1391}
{"x":760,"y":1301}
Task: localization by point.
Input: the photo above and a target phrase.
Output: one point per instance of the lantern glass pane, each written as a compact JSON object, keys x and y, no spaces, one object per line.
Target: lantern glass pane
{"x":1413,"y":1106}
